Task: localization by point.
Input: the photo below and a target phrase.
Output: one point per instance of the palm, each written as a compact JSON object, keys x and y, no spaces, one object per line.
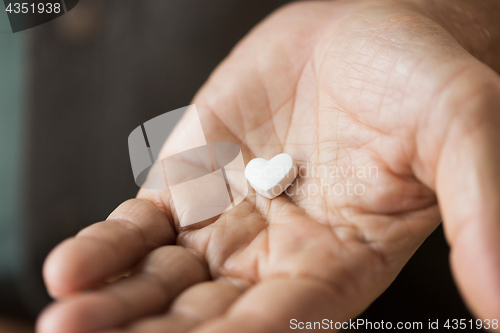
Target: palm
{"x":339,"y":96}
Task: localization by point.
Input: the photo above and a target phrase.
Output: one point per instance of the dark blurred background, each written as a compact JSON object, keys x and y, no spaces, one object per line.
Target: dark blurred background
{"x":73,"y":89}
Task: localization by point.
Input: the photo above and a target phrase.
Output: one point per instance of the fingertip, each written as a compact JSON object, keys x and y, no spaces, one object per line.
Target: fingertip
{"x":75,"y":315}
{"x":475,"y":259}
{"x":107,"y":248}
{"x":53,"y":319}
{"x":54,"y":274}
{"x":44,"y":324}
{"x":67,"y":271}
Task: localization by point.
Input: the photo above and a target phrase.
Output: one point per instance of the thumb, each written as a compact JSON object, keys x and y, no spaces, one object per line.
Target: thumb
{"x":468,"y":188}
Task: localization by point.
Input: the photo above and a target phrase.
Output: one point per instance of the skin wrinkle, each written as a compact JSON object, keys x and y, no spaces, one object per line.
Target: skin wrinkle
{"x":406,"y":86}
{"x":240,"y":111}
{"x":189,"y":321}
{"x":273,"y":112}
{"x":221,"y":271}
{"x":111,"y":245}
{"x":318,"y":138}
{"x":424,"y":123}
{"x":247,"y":132}
{"x":154,"y":275}
{"x":268,"y":102}
{"x":164,"y":203}
{"x":240,"y":140}
{"x":137,"y":230}
{"x":356,"y":55}
{"x":294,"y":95}
{"x":377,"y":153}
{"x":359,"y":121}
{"x":155,"y":279}
{"x":189,"y":313}
{"x":370,"y":65}
{"x":371,"y":61}
{"x":330,"y":283}
{"x":452,"y":234}
{"x":388,"y":259}
{"x":384,"y":92}
{"x":205,"y":251}
{"x":364,"y":212}
{"x":189,"y":317}
{"x":213,"y":273}
{"x":125,"y":307}
{"x":125,"y":217}
{"x":361,"y":239}
{"x":259,"y":126}
{"x":201,"y":260}
{"x":254,"y":317}
{"x":384,"y":161}
{"x":379,"y":33}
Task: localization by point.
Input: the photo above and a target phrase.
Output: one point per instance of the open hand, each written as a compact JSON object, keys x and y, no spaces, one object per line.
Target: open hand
{"x":345,"y":84}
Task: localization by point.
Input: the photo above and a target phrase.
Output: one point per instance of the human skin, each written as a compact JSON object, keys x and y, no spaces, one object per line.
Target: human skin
{"x":410,"y":87}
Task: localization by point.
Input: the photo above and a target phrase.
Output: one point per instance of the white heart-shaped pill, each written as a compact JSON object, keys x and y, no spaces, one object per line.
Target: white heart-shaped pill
{"x":271,"y":178}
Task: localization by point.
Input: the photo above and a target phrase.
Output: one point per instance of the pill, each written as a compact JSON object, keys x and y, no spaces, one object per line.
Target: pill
{"x":271,"y":178}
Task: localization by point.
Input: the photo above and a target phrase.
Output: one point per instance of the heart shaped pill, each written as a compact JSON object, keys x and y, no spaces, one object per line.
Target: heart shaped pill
{"x":271,"y":178}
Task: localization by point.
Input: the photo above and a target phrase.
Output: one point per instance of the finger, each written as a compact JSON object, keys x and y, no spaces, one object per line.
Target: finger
{"x":468,"y":189}
{"x":166,"y":272}
{"x":107,"y":248}
{"x":198,"y":304}
{"x":272,"y":306}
